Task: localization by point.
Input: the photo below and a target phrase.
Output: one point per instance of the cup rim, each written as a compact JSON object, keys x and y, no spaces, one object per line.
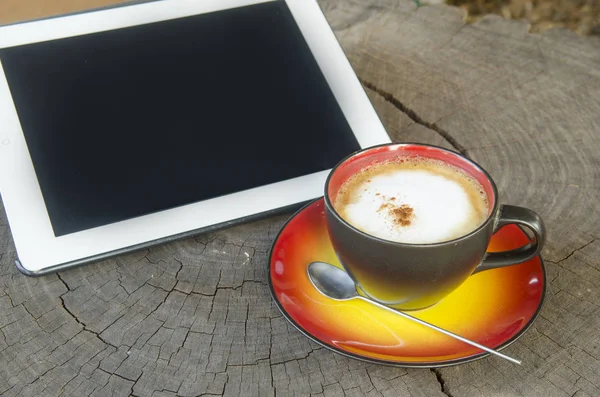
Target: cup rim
{"x":483,"y":225}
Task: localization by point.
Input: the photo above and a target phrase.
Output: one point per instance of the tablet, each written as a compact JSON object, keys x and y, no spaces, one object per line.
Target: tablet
{"x":130,"y":126}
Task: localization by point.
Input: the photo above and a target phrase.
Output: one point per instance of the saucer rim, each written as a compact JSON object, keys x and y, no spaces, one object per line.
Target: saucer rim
{"x":400,"y":364}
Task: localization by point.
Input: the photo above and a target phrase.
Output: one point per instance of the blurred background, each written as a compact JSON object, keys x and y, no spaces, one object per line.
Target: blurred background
{"x":580,"y":16}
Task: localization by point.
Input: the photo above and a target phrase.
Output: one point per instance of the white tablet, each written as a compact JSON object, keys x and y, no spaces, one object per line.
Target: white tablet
{"x":129,"y":126}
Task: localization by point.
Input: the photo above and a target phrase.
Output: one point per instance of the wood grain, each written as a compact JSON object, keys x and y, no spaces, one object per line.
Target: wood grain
{"x":195,"y":317}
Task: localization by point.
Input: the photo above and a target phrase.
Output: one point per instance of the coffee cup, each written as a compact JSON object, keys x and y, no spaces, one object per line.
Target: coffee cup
{"x":411,"y":222}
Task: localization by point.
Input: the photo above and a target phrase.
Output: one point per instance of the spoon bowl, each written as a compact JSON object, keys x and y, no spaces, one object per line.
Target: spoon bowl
{"x":332,"y":281}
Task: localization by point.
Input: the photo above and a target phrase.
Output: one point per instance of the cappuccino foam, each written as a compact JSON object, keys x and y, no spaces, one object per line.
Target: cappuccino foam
{"x":413,"y":200}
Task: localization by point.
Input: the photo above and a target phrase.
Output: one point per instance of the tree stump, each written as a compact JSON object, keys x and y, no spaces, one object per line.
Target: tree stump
{"x":195,"y":317}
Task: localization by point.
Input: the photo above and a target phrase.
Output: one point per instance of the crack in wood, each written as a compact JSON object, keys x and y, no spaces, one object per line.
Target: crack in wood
{"x":15,"y":320}
{"x":222,"y":390}
{"x":441,"y":381}
{"x":252,"y":364}
{"x":205,"y":244}
{"x":85,"y":328}
{"x":415,"y":117}
{"x":39,"y":377}
{"x":28,"y":312}
{"x":74,"y":375}
{"x":246,"y":323}
{"x":162,"y":289}
{"x":237,"y":288}
{"x":269,"y":358}
{"x":10,"y":300}
{"x":574,"y":251}
{"x":12,"y":387}
{"x":122,"y":377}
{"x":178,"y":270}
{"x":64,"y":343}
{"x":148,"y":252}
{"x":291,"y":360}
{"x":167,"y":390}
{"x":370,"y":379}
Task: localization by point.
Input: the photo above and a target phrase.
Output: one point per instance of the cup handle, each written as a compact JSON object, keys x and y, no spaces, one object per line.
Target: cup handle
{"x":520,"y":216}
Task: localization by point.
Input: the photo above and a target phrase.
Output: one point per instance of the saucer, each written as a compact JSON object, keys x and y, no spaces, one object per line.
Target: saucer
{"x":493,"y":308}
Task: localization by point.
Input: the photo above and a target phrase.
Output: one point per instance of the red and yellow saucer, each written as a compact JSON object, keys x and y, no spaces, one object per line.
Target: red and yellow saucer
{"x":493,"y":308}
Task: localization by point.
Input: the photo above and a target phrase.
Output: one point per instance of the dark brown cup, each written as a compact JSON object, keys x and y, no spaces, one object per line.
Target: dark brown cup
{"x":415,"y":276}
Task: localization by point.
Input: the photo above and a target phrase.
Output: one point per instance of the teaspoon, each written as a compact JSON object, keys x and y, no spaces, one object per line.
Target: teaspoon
{"x":337,"y":284}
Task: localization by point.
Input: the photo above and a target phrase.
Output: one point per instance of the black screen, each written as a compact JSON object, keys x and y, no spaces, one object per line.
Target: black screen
{"x":128,"y":122}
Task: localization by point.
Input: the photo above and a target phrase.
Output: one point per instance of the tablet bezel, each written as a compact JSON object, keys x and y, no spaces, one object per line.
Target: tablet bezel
{"x":40,"y":252}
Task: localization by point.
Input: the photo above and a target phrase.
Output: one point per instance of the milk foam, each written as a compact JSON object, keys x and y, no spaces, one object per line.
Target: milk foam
{"x":413,"y":205}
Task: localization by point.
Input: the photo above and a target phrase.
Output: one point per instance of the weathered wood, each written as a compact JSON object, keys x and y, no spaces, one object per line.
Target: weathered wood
{"x":195,"y":317}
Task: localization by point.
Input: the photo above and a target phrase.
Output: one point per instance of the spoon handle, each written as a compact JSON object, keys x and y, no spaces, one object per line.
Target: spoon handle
{"x":425,"y":323}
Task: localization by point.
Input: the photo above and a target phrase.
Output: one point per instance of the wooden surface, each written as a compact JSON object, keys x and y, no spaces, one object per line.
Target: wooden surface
{"x":195,"y":318}
{"x":12,"y":11}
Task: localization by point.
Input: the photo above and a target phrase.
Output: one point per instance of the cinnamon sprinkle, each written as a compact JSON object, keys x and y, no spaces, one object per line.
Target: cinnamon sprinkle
{"x":382,"y":207}
{"x":403,"y":214}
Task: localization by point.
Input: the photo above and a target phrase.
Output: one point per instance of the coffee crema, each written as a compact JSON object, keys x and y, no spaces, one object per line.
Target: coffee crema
{"x":413,"y":200}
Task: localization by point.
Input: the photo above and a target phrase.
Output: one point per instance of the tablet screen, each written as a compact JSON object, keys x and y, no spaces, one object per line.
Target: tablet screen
{"x":128,"y":122}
